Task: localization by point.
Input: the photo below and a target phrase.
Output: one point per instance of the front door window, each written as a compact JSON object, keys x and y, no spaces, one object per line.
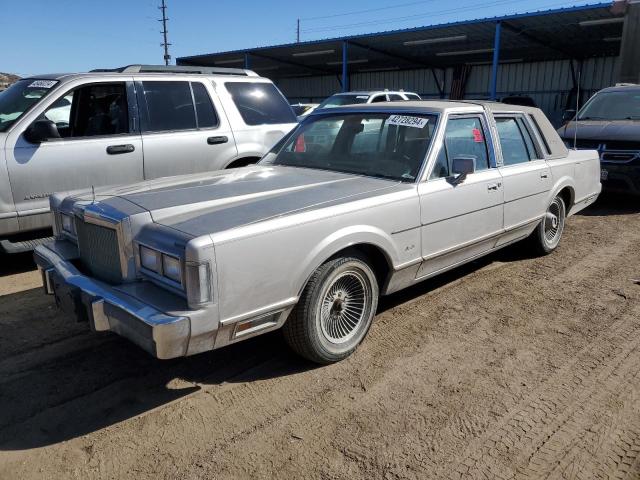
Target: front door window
{"x":97,"y":109}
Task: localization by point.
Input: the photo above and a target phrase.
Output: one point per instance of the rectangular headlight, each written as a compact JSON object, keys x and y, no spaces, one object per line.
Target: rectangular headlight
{"x":67,"y":224}
{"x":198,"y":284}
{"x":150,"y":259}
{"x":171,"y":268}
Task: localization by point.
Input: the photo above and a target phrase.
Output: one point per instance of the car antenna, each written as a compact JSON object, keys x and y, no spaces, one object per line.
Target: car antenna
{"x":575,"y":130}
{"x":93,"y":193}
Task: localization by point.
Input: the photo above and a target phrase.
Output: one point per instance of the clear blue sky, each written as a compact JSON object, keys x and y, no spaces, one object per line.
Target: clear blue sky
{"x":77,"y":35}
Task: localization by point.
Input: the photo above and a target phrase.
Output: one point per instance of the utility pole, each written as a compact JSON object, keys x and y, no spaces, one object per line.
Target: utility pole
{"x":164,"y":32}
{"x":298,"y":32}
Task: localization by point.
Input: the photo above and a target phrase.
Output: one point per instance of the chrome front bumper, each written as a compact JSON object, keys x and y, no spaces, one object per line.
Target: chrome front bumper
{"x":106,"y":308}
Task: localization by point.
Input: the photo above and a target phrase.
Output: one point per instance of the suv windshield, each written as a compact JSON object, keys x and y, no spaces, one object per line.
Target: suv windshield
{"x":20,"y":97}
{"x":620,"y":105}
{"x":339,"y":100}
{"x":380,"y":145}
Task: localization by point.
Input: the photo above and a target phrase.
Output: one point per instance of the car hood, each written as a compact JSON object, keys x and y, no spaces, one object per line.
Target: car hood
{"x":628,"y":130}
{"x":218,"y":201}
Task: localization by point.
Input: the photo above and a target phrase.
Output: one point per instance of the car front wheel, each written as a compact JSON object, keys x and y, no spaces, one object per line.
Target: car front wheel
{"x":335,"y":310}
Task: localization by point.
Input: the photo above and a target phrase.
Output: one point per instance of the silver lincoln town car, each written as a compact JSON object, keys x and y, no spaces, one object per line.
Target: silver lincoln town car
{"x":355,"y":203}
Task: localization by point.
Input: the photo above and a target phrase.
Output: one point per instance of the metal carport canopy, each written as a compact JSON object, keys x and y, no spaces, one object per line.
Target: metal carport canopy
{"x":574,"y":32}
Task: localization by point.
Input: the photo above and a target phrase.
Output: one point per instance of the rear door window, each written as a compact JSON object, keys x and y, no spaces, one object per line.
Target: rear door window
{"x":169,"y":106}
{"x":205,"y":112}
{"x":260,"y":103}
{"x":515,"y":141}
{"x":175,"y":106}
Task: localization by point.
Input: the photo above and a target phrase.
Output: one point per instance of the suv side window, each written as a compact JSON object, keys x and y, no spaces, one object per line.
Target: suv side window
{"x":205,"y":112}
{"x":515,"y":141}
{"x":394,"y":97}
{"x":175,"y":106}
{"x":463,"y":136}
{"x":91,"y":110}
{"x":260,"y":103}
{"x":379,"y":98}
{"x":169,"y":106}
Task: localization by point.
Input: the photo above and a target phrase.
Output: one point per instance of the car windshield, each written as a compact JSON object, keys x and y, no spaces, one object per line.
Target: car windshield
{"x":339,"y":100}
{"x":383,"y":145}
{"x":620,"y":105}
{"x":20,"y":97}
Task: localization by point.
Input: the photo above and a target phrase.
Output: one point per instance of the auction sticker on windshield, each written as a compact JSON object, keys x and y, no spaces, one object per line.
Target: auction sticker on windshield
{"x":407,"y":121}
{"x":42,"y":84}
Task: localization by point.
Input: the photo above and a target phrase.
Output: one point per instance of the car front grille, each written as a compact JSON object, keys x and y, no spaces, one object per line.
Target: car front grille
{"x":612,"y":150}
{"x":99,"y":251}
{"x":618,"y":156}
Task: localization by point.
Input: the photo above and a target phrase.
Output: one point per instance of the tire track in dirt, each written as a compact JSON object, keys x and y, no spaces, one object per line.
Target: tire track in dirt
{"x":528,"y":434}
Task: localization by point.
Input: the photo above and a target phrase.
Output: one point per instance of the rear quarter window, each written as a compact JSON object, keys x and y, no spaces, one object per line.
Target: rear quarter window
{"x":260,"y":103}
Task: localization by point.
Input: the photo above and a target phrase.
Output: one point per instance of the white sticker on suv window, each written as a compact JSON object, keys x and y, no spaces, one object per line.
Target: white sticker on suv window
{"x":362,"y":96}
{"x":42,"y":84}
{"x":407,"y":121}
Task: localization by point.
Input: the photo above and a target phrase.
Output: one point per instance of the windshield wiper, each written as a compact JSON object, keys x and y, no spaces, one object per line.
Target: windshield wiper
{"x":593,"y":118}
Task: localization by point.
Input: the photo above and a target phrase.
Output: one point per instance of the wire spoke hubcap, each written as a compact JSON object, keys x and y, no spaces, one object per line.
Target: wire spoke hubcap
{"x":553,"y":223}
{"x":344,"y":307}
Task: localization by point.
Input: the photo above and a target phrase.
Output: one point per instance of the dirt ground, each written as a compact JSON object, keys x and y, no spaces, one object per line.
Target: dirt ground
{"x":510,"y":367}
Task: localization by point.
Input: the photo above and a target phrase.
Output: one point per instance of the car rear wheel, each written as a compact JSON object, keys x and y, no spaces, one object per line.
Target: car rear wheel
{"x":547,"y":234}
{"x":335,"y":310}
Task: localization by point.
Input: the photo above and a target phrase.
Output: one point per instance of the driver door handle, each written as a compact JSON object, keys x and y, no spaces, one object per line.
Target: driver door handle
{"x":217,"y":140}
{"x":119,"y":149}
{"x":493,"y":186}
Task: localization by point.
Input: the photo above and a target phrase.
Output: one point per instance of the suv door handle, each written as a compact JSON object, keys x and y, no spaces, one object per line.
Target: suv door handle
{"x":217,"y":140}
{"x":493,"y":186}
{"x":119,"y":149}
{"x":544,"y":175}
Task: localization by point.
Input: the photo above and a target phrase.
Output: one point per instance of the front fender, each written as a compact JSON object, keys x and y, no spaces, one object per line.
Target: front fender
{"x":344,"y":238}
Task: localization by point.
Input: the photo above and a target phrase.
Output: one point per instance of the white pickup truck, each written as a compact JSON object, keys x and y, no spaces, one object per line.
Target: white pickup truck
{"x":356,"y":202}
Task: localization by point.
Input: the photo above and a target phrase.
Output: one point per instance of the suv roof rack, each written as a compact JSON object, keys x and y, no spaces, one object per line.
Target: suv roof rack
{"x":178,"y":69}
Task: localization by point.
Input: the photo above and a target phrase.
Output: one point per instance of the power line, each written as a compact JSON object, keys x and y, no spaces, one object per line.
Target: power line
{"x":368,"y":10}
{"x":476,"y":6}
{"x":165,"y":32}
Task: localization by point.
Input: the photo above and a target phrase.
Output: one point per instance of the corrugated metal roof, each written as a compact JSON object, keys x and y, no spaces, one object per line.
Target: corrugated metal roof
{"x":550,"y":34}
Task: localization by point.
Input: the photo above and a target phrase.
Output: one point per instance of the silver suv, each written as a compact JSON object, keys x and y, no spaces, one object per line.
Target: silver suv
{"x":63,"y":133}
{"x":371,"y":96}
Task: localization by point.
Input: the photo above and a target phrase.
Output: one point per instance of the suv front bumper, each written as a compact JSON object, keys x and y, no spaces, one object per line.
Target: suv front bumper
{"x":106,"y":308}
{"x":622,"y":177}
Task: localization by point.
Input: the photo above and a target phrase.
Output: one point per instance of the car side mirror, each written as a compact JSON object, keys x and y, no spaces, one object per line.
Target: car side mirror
{"x":461,"y":167}
{"x":568,"y":115}
{"x":41,"y":131}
